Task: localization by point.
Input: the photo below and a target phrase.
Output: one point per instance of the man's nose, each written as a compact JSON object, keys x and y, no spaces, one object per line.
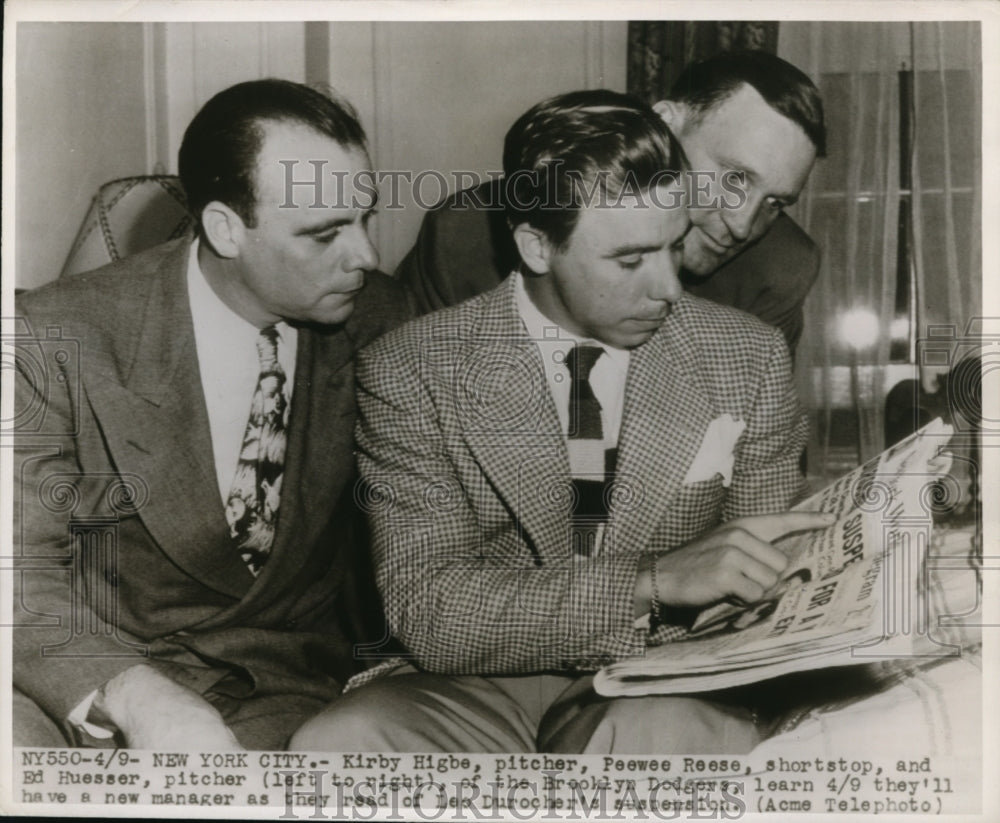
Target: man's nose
{"x":664,"y":281}
{"x":740,"y":221}
{"x":362,"y":254}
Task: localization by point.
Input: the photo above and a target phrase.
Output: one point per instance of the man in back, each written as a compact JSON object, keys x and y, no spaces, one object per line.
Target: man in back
{"x":206,"y":426}
{"x":750,"y":113}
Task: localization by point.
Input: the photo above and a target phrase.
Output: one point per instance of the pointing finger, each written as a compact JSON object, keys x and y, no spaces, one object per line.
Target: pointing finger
{"x":770,"y":527}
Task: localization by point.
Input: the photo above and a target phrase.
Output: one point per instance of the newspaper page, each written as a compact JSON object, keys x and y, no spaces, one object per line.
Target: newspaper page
{"x":830,"y":602}
{"x":100,"y":90}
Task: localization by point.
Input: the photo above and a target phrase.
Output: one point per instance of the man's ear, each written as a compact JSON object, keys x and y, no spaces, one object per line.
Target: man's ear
{"x":533,"y":246}
{"x":224,"y":229}
{"x":672,"y":113}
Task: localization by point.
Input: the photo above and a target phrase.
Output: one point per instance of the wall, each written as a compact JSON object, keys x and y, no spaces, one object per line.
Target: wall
{"x":193,"y":61}
{"x":102,"y":100}
{"x":80,"y":100}
{"x":441,"y":96}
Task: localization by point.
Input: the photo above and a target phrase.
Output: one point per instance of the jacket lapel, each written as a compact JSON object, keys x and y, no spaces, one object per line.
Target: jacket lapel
{"x":509,"y":421}
{"x":319,"y":457}
{"x":156,"y":426}
{"x":667,"y":409}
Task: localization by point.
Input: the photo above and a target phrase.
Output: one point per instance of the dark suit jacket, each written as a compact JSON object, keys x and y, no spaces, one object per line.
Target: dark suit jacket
{"x":118,"y":515}
{"x":462,"y":452}
{"x":464,"y":248}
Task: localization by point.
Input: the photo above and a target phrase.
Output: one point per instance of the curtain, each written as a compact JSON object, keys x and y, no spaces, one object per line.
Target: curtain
{"x":895,"y":210}
{"x":947,"y":189}
{"x":658,"y":50}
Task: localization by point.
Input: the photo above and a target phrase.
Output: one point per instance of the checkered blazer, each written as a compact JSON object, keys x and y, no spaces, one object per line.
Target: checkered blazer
{"x":466,"y":479}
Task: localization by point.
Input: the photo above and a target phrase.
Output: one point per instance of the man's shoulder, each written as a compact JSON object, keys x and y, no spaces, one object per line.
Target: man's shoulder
{"x":381,"y":306}
{"x":726,"y":352}
{"x":463,"y":248}
{"x":102,"y":291}
{"x":792,"y":246}
{"x":444,"y":327}
{"x":790,"y":235}
{"x":787,"y":257}
{"x":464,"y":218}
{"x":483,"y":198}
{"x":721,"y":329}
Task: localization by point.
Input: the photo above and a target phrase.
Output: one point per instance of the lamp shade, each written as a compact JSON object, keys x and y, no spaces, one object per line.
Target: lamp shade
{"x":128,"y":216}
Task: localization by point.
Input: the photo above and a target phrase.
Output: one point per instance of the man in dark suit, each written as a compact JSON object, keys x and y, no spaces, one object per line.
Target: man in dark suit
{"x":549,"y":465}
{"x":739,"y":112}
{"x":191,"y":573}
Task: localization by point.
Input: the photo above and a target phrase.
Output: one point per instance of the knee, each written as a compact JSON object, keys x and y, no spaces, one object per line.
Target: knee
{"x":342,"y":726}
{"x":31,"y":726}
{"x":663,"y":725}
{"x":356,"y":722}
{"x":678,"y":724}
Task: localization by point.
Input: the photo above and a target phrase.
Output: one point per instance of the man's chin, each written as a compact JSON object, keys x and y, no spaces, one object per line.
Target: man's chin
{"x":334,"y":311}
{"x":634,"y":336}
{"x":702,"y":264}
{"x":703,"y":256}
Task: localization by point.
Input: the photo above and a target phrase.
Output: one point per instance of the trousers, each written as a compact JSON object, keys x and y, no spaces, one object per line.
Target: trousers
{"x":412,"y":711}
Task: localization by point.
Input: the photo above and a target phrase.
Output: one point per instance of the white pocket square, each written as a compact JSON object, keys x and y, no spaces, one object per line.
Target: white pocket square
{"x":715,"y":456}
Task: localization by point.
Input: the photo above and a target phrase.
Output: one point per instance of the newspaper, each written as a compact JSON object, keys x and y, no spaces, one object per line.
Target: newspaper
{"x":843,"y":586}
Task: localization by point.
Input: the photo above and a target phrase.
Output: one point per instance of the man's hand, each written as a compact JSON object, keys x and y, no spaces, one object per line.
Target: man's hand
{"x":734,"y":560}
{"x":154,"y":712}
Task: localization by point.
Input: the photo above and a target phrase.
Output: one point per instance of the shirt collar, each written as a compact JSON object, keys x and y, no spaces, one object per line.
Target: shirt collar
{"x":208,"y":310}
{"x":540,"y":328}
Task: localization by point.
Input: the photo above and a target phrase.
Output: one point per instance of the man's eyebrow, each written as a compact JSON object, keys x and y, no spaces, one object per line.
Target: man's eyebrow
{"x":637,"y":248}
{"x":335,"y":223}
{"x":632,"y":248}
{"x":325,"y":226}
{"x":730,"y":165}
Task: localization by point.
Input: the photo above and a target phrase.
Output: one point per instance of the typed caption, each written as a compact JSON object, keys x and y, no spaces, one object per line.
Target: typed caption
{"x":361,"y":786}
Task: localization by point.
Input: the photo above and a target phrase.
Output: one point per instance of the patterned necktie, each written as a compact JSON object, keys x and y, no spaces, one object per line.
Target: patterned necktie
{"x":252,"y":509}
{"x":591,"y":465}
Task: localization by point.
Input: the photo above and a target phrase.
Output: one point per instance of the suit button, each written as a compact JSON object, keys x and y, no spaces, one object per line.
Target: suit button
{"x":290,"y":624}
{"x":111,"y":577}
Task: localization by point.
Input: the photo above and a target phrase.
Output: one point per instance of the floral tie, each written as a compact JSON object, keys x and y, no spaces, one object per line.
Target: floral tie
{"x":252,"y":508}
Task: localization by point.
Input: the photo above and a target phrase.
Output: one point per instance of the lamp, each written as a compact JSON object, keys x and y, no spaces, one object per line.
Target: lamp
{"x":127,"y":216}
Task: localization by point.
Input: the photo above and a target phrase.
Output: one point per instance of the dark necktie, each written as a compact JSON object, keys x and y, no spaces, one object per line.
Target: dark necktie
{"x":591,"y":465}
{"x":584,"y":410}
{"x":252,"y":509}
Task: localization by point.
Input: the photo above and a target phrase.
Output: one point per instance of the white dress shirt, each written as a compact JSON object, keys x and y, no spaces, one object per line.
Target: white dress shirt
{"x":230,"y":368}
{"x":607,"y":378}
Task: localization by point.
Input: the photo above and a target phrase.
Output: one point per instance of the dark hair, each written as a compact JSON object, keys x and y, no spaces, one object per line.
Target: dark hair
{"x":703,"y":85}
{"x":582,"y":143}
{"x":218,"y":156}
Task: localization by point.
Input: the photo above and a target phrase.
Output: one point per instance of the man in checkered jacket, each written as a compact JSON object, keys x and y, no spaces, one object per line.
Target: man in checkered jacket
{"x":547,"y":466}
